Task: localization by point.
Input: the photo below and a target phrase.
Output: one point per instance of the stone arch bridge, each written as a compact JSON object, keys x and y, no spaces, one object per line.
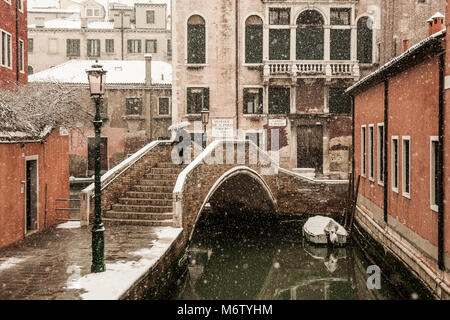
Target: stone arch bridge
{"x":149,"y":188}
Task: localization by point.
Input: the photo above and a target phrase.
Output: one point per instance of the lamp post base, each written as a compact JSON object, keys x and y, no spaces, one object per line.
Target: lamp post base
{"x":98,"y":246}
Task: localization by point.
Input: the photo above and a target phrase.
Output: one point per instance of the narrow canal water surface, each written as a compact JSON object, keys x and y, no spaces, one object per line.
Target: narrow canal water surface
{"x":243,"y":256}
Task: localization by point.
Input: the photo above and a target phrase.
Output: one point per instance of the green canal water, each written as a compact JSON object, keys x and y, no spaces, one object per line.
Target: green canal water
{"x":244,"y":256}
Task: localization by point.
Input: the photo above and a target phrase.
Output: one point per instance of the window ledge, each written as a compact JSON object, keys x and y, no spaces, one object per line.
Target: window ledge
{"x":133,"y":117}
{"x":253,"y":65}
{"x":434,"y":208}
{"x":162,"y":117}
{"x":380,"y":183}
{"x":371,"y":179}
{"x":196,"y":65}
{"x":406,"y":195}
{"x":395,"y":190}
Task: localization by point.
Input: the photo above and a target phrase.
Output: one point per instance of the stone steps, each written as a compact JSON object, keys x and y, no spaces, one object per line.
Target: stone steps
{"x":137,"y":215}
{"x":149,"y":201}
{"x":140,"y":222}
{"x":145,"y":202}
{"x":149,"y":195}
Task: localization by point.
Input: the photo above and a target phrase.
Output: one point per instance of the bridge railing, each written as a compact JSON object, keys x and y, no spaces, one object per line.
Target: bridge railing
{"x":120,"y":178}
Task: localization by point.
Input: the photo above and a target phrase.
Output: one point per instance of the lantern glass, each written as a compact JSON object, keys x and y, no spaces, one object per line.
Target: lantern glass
{"x":205,"y":116}
{"x":97,"y":79}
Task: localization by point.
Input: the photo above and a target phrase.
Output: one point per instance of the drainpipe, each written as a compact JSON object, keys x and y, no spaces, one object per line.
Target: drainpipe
{"x":17,"y":41}
{"x":385,"y":154}
{"x":441,"y":262}
{"x":237,"y":65}
{"x":352,"y":97}
{"x":121,"y":32}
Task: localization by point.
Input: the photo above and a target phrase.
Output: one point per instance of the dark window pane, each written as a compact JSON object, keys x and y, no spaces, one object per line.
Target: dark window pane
{"x":253,"y":100}
{"x":310,"y":44}
{"x":339,"y":101}
{"x":340,"y":44}
{"x":134,"y":106}
{"x":254,"y":44}
{"x":279,"y":16}
{"x":279,"y":100}
{"x":340,"y":16}
{"x":163,"y":106}
{"x":197,"y":98}
{"x":364,"y":36}
{"x":279,"y":44}
{"x":196,"y":52}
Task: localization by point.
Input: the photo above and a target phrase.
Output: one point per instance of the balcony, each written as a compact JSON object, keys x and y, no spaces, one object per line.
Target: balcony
{"x":311,"y":69}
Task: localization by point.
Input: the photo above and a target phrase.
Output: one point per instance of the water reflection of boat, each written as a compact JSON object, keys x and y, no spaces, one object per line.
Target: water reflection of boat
{"x":330,"y":256}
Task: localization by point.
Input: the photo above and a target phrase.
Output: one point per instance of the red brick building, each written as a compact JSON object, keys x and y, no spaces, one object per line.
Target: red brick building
{"x":401,"y":153}
{"x":13,"y":42}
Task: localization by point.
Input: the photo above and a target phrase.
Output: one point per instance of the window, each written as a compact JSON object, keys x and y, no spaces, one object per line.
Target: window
{"x":363,"y":151}
{"x":254,"y":40}
{"x":371,"y":153}
{"x":30,"y":45}
{"x":253,"y":100}
{"x":21,"y":56}
{"x":134,"y":46}
{"x":380,"y":153}
{"x":73,"y":47}
{"x":20,"y":5}
{"x":134,"y":106}
{"x":279,"y":44}
{"x":6,"y":49}
{"x":109,"y":45}
{"x":196,"y":40}
{"x":93,"y":48}
{"x":364,"y":40}
{"x":53,"y":45}
{"x":30,"y":70}
{"x":150,"y":46}
{"x":339,"y":101}
{"x":340,"y":44}
{"x":340,"y":16}
{"x":169,"y":47}
{"x":406,"y":166}
{"x":197,"y":98}
{"x":103,"y":153}
{"x":279,"y":100}
{"x":310,"y":36}
{"x":279,"y":16}
{"x":150,"y":16}
{"x":434,"y":173}
{"x":394,"y":161}
{"x":163,"y":106}
{"x":256,"y":137}
{"x":93,"y":12}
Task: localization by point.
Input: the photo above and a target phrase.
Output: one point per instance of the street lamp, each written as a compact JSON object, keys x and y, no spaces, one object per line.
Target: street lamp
{"x":205,"y":120}
{"x":97,"y":78}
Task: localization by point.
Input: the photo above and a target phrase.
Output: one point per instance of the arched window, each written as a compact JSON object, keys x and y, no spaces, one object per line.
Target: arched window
{"x":196,"y":40}
{"x":364,"y":37}
{"x":253,"y":40}
{"x":30,"y":70}
{"x":310,"y":36}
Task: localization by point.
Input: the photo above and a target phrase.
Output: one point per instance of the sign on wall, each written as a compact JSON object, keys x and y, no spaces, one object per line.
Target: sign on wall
{"x":277,"y":122}
{"x":222,"y":128}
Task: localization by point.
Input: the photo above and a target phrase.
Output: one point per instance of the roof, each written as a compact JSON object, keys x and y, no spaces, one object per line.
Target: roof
{"x":118,"y":72}
{"x":399,"y":63}
{"x":53,"y":10}
{"x":33,"y":4}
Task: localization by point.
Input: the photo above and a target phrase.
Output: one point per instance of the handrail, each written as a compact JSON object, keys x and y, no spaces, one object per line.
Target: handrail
{"x":112,"y":174}
{"x":292,"y":173}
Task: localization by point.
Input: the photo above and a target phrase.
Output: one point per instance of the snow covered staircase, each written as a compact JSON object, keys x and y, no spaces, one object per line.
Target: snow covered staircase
{"x":148,"y":202}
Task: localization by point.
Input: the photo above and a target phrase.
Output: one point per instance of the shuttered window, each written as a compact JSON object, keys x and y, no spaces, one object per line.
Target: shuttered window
{"x":93,"y":48}
{"x":109,"y":45}
{"x":197,"y":98}
{"x":134,"y":46}
{"x":150,"y":46}
{"x":73,"y":47}
{"x":253,"y":100}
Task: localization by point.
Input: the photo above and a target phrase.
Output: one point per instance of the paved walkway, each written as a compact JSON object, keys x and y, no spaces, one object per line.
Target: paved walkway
{"x":55,"y":264}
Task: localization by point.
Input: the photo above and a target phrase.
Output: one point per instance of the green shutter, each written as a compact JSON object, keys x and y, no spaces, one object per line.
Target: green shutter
{"x":89,"y":48}
{"x":68,"y":47}
{"x":139,"y":46}
{"x":189,"y":101}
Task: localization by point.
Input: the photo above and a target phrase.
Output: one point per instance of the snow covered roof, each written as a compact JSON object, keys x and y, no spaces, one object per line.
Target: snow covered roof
{"x":396,"y":63}
{"x":436,"y":15}
{"x":33,"y":4}
{"x":118,"y":72}
{"x":52,"y":10}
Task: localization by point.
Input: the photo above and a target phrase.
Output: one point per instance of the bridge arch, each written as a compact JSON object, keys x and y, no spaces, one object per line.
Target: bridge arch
{"x":240,"y":172}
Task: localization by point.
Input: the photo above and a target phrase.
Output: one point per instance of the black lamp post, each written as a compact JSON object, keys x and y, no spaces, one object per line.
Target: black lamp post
{"x":205,"y":120}
{"x":97,"y":78}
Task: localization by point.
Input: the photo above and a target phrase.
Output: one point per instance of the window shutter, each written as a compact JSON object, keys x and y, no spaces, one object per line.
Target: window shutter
{"x":68,"y":47}
{"x":206,"y":98}
{"x":139,"y":46}
{"x":156,"y":44}
{"x":89,"y":48}
{"x":189,"y":101}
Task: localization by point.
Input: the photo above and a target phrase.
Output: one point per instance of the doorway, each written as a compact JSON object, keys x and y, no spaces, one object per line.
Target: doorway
{"x":310,"y":147}
{"x":31,"y":196}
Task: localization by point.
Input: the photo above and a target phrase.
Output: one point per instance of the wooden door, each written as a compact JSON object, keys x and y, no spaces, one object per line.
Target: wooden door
{"x":310,"y":147}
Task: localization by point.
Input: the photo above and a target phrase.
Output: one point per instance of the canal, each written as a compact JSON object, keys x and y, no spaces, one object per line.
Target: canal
{"x":245,"y":256}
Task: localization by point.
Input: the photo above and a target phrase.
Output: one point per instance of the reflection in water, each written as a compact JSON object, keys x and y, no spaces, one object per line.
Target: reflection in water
{"x":260,"y":257}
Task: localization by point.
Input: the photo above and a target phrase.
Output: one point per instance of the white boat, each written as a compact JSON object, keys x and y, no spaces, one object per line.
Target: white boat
{"x":324,"y":230}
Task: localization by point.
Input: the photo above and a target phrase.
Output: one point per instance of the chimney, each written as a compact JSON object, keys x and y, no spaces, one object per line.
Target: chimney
{"x":40,"y":22}
{"x":435,"y":23}
{"x":83,"y":23}
{"x":405,"y":45}
{"x":148,"y":69}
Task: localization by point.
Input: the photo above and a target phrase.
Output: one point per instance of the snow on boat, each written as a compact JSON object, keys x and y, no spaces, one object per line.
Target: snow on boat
{"x":324,"y":230}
